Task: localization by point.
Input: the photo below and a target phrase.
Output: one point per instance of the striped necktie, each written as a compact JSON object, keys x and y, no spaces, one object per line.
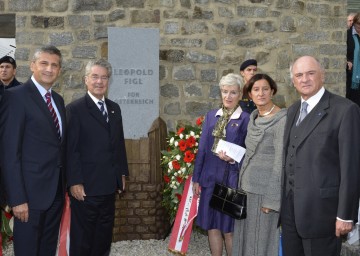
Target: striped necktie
{"x":103,"y":111}
{"x":53,"y":113}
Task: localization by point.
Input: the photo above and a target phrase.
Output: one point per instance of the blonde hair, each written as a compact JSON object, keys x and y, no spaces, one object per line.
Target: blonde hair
{"x":232,"y":79}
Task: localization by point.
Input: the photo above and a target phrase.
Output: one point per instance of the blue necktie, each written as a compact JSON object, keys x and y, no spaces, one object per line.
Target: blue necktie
{"x":103,"y":111}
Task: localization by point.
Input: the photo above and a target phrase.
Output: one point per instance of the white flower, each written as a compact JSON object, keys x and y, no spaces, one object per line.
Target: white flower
{"x":192,"y":133}
{"x":188,"y":164}
{"x":175,"y":187}
{"x":175,"y":174}
{"x":187,"y":176}
{"x":187,"y":136}
{"x":176,"y":143}
{"x":181,"y":135}
{"x":197,"y":136}
{"x":170,"y":165}
{"x":179,"y":172}
{"x":171,"y":140}
{"x":173,"y":182}
{"x":169,"y":171}
{"x":178,"y":157}
{"x":183,"y":169}
{"x":196,"y":144}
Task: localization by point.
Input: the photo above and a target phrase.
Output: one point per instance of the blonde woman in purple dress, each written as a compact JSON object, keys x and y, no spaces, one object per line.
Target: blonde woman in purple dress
{"x":227,"y":123}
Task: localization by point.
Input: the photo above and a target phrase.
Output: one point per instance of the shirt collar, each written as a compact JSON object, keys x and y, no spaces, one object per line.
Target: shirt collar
{"x":41,"y":89}
{"x":235,"y":115}
{"x":314,"y":100}
{"x":96,"y":100}
{"x":354,"y":31}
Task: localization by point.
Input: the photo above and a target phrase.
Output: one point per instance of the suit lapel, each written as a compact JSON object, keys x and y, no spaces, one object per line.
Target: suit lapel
{"x":40,"y":102}
{"x":315,"y":116}
{"x":111,"y":115}
{"x":95,"y":111}
{"x":291,"y":115}
{"x":61,"y":110}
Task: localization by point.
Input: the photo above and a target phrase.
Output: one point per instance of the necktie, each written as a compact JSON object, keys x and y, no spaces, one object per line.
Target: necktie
{"x":303,"y":112}
{"x":103,"y":111}
{"x":53,"y":113}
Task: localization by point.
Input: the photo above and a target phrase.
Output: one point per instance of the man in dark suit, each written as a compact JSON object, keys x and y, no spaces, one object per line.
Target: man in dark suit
{"x":321,"y":184}
{"x":32,"y":149}
{"x":97,"y":163}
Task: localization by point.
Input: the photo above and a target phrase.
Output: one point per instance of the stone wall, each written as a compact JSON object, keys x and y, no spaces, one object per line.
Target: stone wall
{"x":201,"y":40}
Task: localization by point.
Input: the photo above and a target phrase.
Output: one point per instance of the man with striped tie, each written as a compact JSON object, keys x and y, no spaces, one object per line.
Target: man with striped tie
{"x":32,"y":149}
{"x":96,"y":163}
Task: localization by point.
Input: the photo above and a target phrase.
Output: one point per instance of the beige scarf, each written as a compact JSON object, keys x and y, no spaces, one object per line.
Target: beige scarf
{"x":219,"y":131}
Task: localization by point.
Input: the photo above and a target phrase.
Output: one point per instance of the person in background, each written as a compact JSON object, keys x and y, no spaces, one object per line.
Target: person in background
{"x":96,"y":163}
{"x":32,"y":149}
{"x":353,"y":61}
{"x":228,"y":123}
{"x":321,"y":181}
{"x":260,"y":174}
{"x":350,"y":19}
{"x":247,"y":70}
{"x":7,"y":74}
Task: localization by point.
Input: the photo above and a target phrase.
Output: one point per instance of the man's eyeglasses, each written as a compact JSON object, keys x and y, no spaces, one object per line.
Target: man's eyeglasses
{"x":96,"y":78}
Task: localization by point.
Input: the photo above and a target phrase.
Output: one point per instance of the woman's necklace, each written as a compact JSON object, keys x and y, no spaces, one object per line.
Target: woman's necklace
{"x":269,"y":112}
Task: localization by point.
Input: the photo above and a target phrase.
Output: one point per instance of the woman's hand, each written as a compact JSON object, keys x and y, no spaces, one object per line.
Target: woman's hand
{"x":349,"y":64}
{"x":222,"y":155}
{"x":196,"y":188}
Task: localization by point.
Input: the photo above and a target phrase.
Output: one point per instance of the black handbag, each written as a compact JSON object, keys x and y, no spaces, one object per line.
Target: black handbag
{"x":228,"y":200}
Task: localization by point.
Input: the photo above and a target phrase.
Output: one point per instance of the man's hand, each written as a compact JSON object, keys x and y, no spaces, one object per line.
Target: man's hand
{"x":342,"y":228}
{"x":21,"y":212}
{"x":78,"y":192}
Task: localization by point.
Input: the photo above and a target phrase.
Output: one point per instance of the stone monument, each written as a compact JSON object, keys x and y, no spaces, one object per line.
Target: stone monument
{"x":134,"y":56}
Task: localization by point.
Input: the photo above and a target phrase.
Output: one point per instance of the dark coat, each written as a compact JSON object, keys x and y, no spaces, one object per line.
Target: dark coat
{"x":32,"y":156}
{"x":327,"y":164}
{"x":96,"y":149}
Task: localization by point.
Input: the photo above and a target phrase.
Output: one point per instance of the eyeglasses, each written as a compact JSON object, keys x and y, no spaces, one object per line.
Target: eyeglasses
{"x":96,"y":78}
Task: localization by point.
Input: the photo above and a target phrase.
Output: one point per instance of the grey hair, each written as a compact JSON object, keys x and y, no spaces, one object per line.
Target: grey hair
{"x":50,"y":49}
{"x":102,"y":63}
{"x":292,"y":65}
{"x":232,"y":79}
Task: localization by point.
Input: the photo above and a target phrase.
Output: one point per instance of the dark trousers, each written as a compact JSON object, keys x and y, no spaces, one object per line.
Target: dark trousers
{"x":294,"y":245}
{"x":91,"y":227}
{"x":39,"y":236}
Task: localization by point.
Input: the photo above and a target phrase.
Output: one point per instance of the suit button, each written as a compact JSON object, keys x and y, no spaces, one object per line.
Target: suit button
{"x":290,"y":165}
{"x":291,"y":182}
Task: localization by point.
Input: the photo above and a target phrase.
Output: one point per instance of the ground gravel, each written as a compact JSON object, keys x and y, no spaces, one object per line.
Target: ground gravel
{"x":198,"y":246}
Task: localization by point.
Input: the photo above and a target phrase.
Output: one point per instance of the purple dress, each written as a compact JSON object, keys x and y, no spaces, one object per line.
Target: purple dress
{"x":210,"y":169}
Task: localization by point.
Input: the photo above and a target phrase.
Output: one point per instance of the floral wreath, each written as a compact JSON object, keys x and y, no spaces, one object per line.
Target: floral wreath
{"x":178,"y":163}
{"x":7,"y":223}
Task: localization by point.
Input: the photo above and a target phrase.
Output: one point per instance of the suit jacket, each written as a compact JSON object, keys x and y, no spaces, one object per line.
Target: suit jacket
{"x":96,"y":149}
{"x":32,"y":156}
{"x":327,"y":164}
{"x":209,"y":168}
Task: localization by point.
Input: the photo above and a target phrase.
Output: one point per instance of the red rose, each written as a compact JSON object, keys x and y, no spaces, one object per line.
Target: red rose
{"x":200,"y":120}
{"x":181,"y":129}
{"x":178,"y":196}
{"x":166,"y":179}
{"x":176,"y":165}
{"x":182,"y":145}
{"x":179,"y":179}
{"x":8,"y":215}
{"x":189,"y":156}
{"x":190,"y":142}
